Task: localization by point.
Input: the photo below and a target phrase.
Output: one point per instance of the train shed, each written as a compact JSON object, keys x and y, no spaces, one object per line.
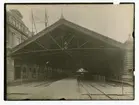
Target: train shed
{"x":63,"y":48}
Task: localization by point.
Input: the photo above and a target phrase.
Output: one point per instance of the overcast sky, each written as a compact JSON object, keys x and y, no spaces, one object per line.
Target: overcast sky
{"x":114,"y":21}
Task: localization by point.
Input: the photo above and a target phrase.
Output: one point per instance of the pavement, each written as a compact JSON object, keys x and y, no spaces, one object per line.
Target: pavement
{"x":70,"y":89}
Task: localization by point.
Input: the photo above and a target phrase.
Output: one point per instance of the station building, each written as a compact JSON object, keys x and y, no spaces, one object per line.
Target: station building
{"x":16,"y":33}
{"x":63,"y":48}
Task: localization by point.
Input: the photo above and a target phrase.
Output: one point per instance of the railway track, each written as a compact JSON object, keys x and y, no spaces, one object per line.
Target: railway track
{"x":47,"y":83}
{"x":81,"y":84}
{"x":101,"y":91}
{"x":90,"y":94}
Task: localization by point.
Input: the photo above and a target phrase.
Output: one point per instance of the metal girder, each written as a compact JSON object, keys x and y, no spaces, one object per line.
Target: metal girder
{"x":36,"y":33}
{"x":68,"y":53}
{"x":70,"y":40}
{"x":71,"y":49}
{"x":55,"y":41}
{"x":37,"y":51}
{"x":59,"y":45}
{"x":62,"y":41}
{"x":83,"y":44}
{"x":52,"y":53}
{"x":41,"y":45}
{"x":91,"y":48}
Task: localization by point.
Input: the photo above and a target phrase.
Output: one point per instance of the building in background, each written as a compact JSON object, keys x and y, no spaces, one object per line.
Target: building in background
{"x":128,"y":60}
{"x":16,"y":33}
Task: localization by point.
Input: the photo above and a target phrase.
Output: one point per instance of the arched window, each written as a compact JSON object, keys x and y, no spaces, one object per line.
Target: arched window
{"x":14,"y":21}
{"x":34,"y":70}
{"x":24,"y":69}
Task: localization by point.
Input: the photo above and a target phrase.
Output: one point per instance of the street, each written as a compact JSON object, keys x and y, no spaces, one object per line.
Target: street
{"x":70,"y":88}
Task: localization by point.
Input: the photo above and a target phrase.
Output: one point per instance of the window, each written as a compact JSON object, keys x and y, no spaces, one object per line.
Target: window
{"x":10,"y":19}
{"x":8,"y":37}
{"x":26,"y":30}
{"x":17,"y":24}
{"x":23,"y":29}
{"x":24,"y":69}
{"x":15,"y":39}
{"x":20,"y":26}
{"x":14,"y":21}
{"x":18,"y":40}
{"x":22,"y":39}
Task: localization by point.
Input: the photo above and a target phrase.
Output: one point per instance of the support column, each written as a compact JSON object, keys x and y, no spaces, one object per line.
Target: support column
{"x":128,"y":60}
{"x":10,"y":69}
{"x":128,"y":65}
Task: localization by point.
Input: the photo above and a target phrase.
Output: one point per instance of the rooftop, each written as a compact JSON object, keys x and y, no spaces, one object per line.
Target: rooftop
{"x":63,"y":22}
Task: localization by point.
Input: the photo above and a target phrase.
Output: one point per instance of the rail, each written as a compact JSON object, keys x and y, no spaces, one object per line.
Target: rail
{"x":89,"y":94}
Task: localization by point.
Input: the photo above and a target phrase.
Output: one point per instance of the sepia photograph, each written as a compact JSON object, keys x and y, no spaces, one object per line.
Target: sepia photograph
{"x":69,"y":51}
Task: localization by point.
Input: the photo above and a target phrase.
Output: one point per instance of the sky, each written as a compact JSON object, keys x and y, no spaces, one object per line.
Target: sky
{"x":114,"y":21}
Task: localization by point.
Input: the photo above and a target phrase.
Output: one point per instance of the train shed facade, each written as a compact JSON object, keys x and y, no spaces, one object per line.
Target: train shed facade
{"x":63,"y":48}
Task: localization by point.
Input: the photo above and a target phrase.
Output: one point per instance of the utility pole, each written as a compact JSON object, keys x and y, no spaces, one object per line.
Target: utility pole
{"x":46,"y":19}
{"x":32,"y":21}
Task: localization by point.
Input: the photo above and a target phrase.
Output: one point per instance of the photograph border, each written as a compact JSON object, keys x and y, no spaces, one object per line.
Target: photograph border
{"x":62,"y":3}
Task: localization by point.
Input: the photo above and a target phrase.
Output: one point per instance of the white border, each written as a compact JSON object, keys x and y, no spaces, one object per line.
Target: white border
{"x":2,"y":102}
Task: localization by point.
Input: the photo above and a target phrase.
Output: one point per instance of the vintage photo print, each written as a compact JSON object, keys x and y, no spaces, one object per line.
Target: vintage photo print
{"x":69,"y":52}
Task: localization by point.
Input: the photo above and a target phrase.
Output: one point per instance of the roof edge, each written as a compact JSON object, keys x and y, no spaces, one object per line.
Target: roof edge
{"x":70,"y":24}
